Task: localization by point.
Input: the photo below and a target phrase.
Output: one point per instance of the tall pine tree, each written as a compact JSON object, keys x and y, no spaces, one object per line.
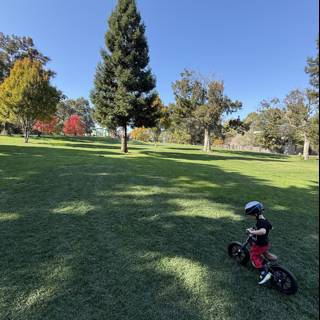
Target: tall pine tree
{"x":312,"y":69}
{"x":123,"y":88}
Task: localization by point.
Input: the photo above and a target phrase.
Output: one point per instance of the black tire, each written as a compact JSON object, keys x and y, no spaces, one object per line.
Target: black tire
{"x":284,"y":280}
{"x":241,"y":255}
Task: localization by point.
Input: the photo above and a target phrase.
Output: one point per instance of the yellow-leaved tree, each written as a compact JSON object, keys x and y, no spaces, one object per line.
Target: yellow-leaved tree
{"x":141,"y":134}
{"x":26,"y":95}
{"x":163,"y":121}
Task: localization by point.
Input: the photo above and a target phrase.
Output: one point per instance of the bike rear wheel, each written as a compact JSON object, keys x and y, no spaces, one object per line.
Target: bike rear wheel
{"x":237,"y":252}
{"x":284,"y":280}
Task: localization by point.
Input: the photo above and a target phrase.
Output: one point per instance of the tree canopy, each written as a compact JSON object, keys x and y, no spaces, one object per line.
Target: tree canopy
{"x":81,"y":107}
{"x":12,"y":48}
{"x":312,"y":69}
{"x":201,"y":102}
{"x":26,"y":95}
{"x":74,"y":126}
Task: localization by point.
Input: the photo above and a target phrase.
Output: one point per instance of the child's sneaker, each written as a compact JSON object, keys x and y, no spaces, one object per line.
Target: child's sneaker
{"x":264,"y":277}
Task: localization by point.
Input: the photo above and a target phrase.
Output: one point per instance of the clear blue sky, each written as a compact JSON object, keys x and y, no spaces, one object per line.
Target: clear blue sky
{"x":259,"y":48}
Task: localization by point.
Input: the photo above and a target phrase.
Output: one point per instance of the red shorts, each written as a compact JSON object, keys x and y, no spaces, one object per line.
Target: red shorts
{"x":255,"y":255}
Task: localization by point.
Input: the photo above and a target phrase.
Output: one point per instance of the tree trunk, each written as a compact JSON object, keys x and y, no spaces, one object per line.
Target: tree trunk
{"x":124,"y":140}
{"x":26,"y":130}
{"x":112,"y":133}
{"x":306,"y":147}
{"x":26,"y":135}
{"x":156,"y":136}
{"x":207,"y":142}
{"x":4,"y":130}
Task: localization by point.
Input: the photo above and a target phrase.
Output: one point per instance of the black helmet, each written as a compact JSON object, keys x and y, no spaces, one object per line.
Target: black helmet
{"x":253,"y":208}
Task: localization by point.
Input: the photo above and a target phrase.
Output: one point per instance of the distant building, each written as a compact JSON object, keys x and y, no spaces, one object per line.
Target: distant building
{"x":100,"y":132}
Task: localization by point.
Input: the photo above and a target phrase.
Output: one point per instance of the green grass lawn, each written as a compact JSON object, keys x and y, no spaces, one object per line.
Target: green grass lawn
{"x":89,"y":233}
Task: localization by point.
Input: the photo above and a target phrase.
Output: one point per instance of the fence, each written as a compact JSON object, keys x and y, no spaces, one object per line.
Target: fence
{"x":242,"y":148}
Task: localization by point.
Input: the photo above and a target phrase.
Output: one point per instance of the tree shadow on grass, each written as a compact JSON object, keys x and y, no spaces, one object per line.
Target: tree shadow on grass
{"x":103,"y":140}
{"x":79,"y":145}
{"x":53,"y":154}
{"x":211,"y":157}
{"x":195,"y":148}
{"x":89,"y":143}
{"x":235,"y":152}
{"x":118,"y":238}
{"x":76,"y":139}
{"x":103,"y":147}
{"x":254,"y":154}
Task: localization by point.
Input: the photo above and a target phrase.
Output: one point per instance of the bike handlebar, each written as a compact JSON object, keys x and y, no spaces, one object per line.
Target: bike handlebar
{"x":248,"y":233}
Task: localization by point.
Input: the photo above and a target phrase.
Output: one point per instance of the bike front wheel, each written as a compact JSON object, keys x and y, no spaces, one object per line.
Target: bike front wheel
{"x":284,"y":280}
{"x":237,"y":252}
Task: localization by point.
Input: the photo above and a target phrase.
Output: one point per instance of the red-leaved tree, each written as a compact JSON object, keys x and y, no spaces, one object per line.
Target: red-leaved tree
{"x":46,"y":127}
{"x":74,"y":126}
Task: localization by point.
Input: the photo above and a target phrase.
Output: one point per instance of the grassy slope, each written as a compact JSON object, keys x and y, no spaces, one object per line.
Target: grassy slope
{"x":89,"y":233}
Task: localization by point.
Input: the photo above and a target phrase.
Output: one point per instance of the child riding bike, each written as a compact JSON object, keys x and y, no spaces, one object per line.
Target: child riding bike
{"x":261,"y":245}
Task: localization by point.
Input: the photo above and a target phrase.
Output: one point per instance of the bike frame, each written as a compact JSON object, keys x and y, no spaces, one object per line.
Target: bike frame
{"x":249,"y":241}
{"x":268,"y":264}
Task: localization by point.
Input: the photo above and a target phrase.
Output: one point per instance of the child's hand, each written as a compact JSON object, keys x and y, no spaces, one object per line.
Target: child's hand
{"x":249,"y":230}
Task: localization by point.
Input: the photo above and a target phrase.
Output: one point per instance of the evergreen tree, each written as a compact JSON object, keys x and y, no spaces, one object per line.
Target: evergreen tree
{"x":123,"y":87}
{"x":312,"y":69}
